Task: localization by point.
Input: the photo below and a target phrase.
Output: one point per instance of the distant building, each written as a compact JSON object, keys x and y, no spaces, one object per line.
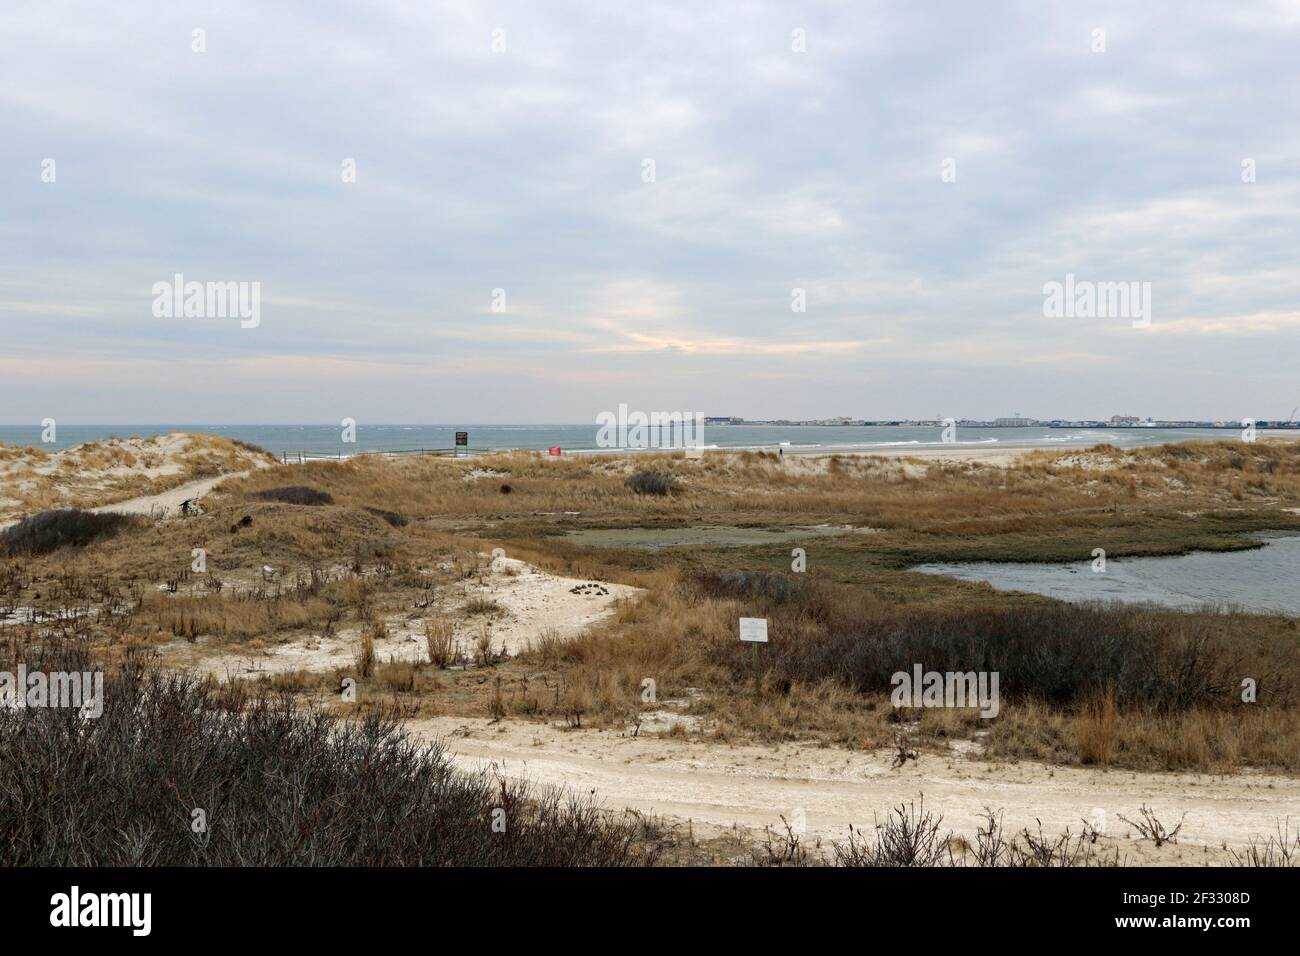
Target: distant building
{"x":1124,"y":419}
{"x":1015,"y":422}
{"x":722,"y":420}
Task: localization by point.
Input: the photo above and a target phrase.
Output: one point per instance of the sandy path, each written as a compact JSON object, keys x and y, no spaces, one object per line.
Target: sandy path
{"x":168,"y":502}
{"x":716,"y":786}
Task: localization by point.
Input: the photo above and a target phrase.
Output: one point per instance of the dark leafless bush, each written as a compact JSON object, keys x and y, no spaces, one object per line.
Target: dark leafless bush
{"x":1040,"y":850}
{"x":1283,"y":849}
{"x":392,"y":517}
{"x":279,"y":786}
{"x":1059,"y":655}
{"x":747,"y":585}
{"x":1152,"y":829}
{"x":990,"y":846}
{"x":652,"y":483}
{"x":1029,"y":849}
{"x":296,"y":495}
{"x":781,"y":849}
{"x":50,"y":530}
{"x":908,"y":837}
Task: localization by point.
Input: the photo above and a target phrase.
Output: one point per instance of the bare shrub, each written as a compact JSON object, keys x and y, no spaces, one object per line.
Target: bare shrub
{"x":392,"y":517}
{"x":296,"y":495}
{"x":1152,"y":829}
{"x":781,"y":849}
{"x":1280,"y":850}
{"x":652,"y":483}
{"x":62,"y":527}
{"x":912,"y":837}
{"x":281,"y":786}
{"x":990,"y":846}
{"x":747,"y":585}
{"x":1039,"y":850}
{"x":909,"y":837}
{"x":1058,"y":655}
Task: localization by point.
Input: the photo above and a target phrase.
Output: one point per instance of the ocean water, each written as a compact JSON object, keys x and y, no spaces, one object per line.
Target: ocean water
{"x":325,"y":439}
{"x":1261,"y":580}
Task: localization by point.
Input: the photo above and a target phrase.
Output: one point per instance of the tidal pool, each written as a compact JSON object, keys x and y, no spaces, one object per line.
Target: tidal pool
{"x":1265,"y":579}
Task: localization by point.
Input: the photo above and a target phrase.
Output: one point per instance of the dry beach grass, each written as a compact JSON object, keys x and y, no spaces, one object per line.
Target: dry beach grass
{"x":384,"y":573}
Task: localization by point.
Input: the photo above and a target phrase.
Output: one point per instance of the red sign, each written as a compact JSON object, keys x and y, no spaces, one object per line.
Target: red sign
{"x":555,"y":451}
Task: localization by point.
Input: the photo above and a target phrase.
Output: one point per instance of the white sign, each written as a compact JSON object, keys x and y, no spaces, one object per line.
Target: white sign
{"x":753,"y":629}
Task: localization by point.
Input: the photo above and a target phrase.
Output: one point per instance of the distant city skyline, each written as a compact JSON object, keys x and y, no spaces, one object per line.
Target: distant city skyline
{"x":450,"y":212}
{"x":710,"y":419}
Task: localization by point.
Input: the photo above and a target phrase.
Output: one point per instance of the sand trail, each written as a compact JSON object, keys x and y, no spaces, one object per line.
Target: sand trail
{"x":717,"y":786}
{"x":166,"y":503}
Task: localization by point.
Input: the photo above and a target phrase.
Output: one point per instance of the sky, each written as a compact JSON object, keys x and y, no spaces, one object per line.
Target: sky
{"x":538,"y":211}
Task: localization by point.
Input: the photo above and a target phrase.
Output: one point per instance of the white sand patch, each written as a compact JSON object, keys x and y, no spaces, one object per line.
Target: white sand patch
{"x":532,"y":603}
{"x":1087,"y":462}
{"x":148,"y":457}
{"x":535,"y":603}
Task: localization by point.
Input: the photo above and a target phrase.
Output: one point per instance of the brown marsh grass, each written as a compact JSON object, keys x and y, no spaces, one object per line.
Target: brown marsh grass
{"x":837,"y":631}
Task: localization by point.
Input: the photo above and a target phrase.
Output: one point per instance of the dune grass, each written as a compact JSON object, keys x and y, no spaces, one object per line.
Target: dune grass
{"x":1119,"y":687}
{"x":112,"y":470}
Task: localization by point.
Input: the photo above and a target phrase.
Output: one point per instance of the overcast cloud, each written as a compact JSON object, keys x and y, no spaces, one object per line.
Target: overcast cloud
{"x":522,"y":170}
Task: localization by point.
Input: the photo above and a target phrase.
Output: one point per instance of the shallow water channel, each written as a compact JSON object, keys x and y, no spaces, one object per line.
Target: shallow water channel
{"x":1265,"y":579}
